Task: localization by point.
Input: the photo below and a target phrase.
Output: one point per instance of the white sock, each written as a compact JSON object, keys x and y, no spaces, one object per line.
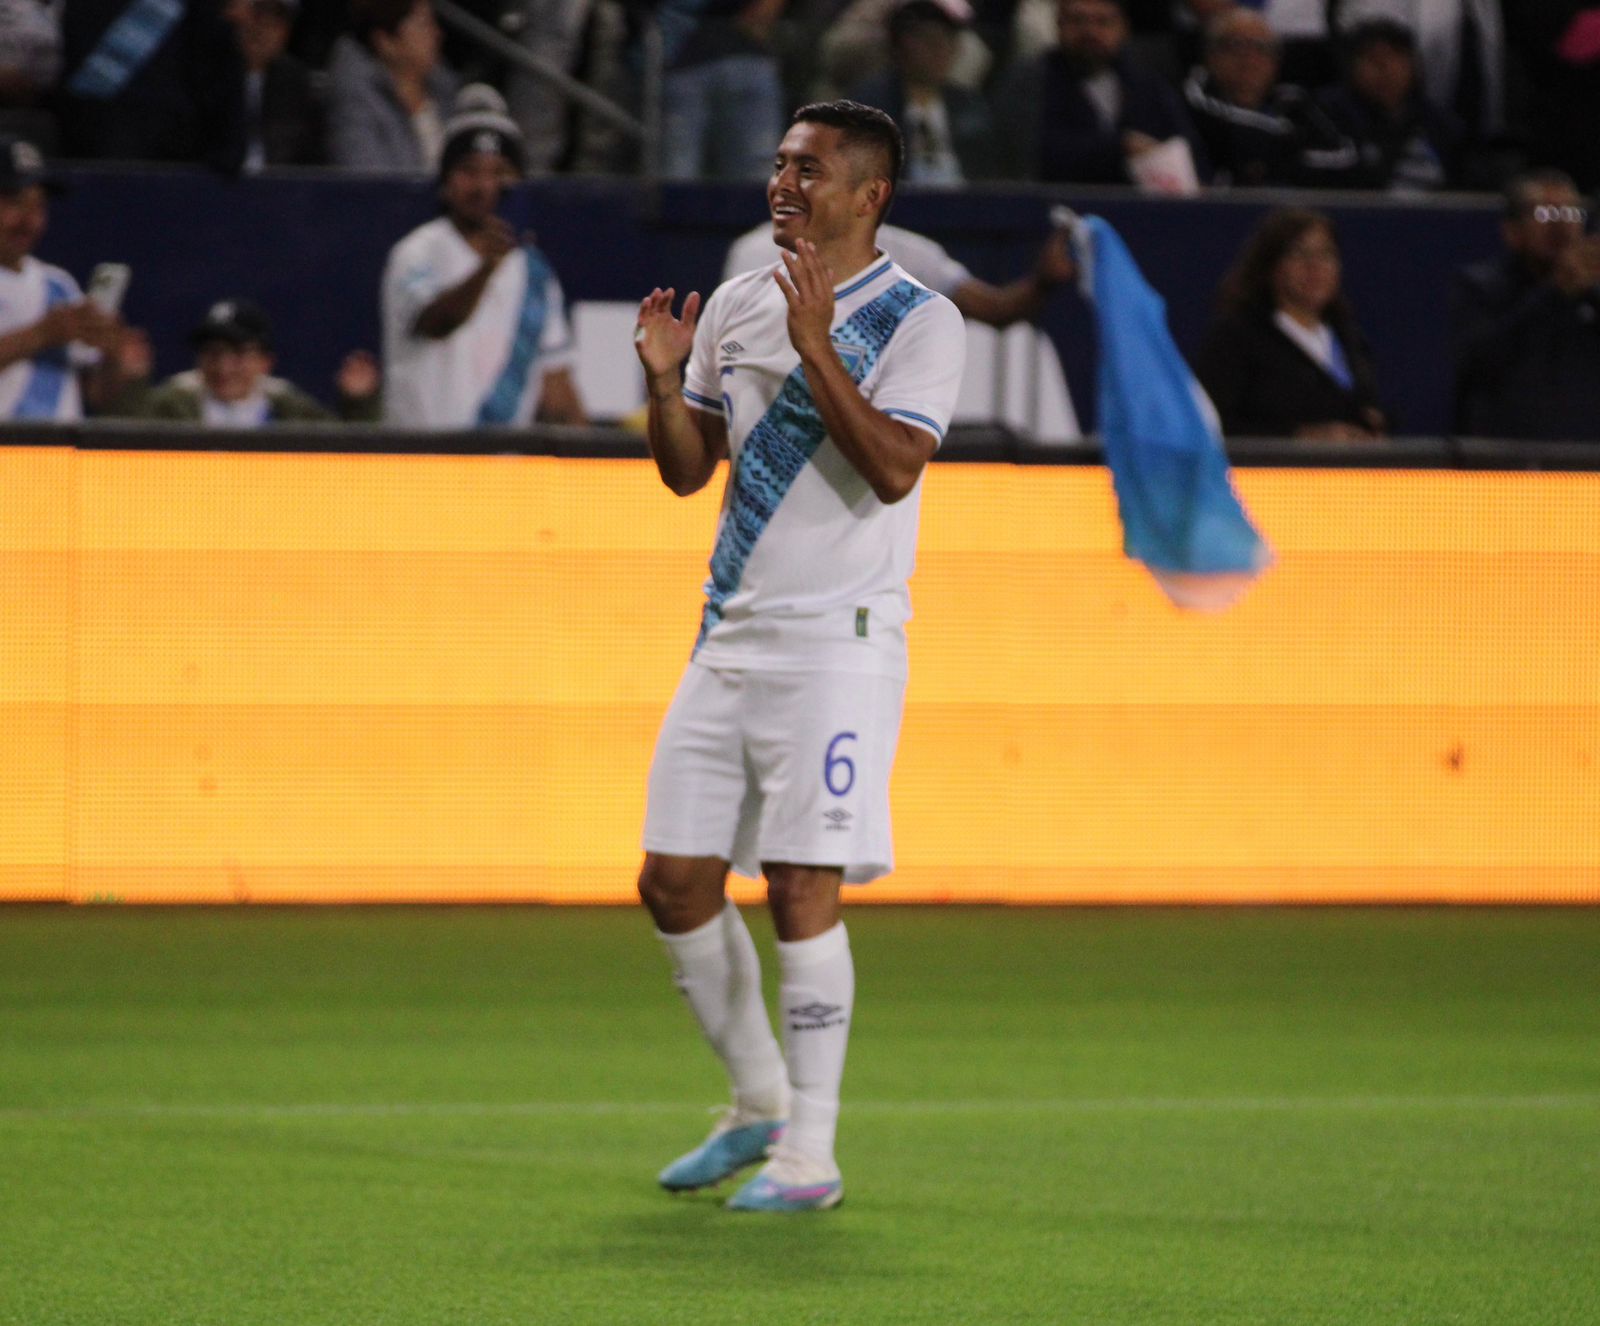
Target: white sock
{"x":719,"y":973}
{"x":816,"y":995}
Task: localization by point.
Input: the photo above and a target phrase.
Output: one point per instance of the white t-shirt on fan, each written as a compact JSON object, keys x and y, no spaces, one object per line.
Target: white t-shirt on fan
{"x":443,"y":383}
{"x":45,"y":387}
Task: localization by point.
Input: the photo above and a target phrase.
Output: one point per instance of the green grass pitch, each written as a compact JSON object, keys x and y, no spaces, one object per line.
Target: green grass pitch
{"x":412,"y":1117}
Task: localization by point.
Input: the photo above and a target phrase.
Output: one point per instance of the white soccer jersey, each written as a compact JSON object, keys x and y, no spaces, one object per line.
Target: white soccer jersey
{"x":490,"y":370}
{"x":922,"y":258}
{"x":46,"y":386}
{"x":809,"y":569}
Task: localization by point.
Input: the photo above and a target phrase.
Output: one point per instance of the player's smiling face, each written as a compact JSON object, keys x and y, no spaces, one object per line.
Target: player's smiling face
{"x":815,"y":191}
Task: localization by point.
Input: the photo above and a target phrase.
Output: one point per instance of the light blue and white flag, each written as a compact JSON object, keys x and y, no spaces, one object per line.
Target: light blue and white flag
{"x":1180,"y":514}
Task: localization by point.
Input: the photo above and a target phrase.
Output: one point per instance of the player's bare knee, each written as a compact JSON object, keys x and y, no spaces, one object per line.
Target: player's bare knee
{"x":804,"y":900}
{"x":679,"y":893}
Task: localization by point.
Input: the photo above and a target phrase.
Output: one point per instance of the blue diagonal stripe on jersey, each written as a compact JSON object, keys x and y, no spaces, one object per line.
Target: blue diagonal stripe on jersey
{"x":48,"y":372}
{"x":784,"y":440}
{"x":500,"y":405}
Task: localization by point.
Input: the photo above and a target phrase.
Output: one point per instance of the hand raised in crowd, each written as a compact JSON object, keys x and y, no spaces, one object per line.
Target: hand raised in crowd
{"x":807,"y":287}
{"x":1136,"y":144}
{"x":662,"y":341}
{"x":136,"y":359}
{"x":359,"y":376}
{"x":1577,"y":267}
{"x":83,"y":322}
{"x":1055,"y":264}
{"x":493,"y":240}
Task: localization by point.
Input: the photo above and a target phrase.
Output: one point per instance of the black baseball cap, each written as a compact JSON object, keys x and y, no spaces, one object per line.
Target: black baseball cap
{"x":236,"y":321}
{"x":22,"y":166}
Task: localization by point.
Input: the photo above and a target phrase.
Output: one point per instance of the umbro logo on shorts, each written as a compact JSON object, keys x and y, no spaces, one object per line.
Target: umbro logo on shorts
{"x":731,"y":348}
{"x":816,"y":1017}
{"x":838,"y":818}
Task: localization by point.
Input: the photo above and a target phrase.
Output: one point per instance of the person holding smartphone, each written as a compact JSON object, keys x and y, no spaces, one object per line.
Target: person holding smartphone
{"x":52,"y":340}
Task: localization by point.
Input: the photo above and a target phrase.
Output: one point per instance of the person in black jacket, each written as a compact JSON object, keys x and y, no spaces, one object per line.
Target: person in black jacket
{"x":1256,"y":130}
{"x":1285,"y":358}
{"x":948,"y":129}
{"x":280,"y":107}
{"x":1081,"y":112}
{"x":1407,"y":144}
{"x":1527,"y":325}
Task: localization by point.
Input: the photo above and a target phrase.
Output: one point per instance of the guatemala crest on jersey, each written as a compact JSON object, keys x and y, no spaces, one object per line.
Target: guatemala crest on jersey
{"x":851,"y":356}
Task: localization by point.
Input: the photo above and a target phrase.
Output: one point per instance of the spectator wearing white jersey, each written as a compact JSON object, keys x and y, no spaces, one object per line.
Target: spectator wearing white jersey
{"x":475,"y":328}
{"x":52,"y":339}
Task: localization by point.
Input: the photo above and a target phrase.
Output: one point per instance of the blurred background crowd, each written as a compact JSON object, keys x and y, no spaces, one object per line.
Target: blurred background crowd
{"x":1401,"y":95}
{"x":1375,"y":98}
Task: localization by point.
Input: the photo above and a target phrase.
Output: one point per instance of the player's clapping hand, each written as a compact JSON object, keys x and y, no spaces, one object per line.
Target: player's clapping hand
{"x":807,"y":285}
{"x":663,"y":341}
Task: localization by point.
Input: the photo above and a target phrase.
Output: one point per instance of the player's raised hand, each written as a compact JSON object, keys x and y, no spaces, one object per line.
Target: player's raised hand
{"x":807,"y":285}
{"x":663,"y":342}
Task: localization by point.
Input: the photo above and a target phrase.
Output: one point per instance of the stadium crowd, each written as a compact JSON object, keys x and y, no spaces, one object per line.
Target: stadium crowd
{"x":1400,"y":96}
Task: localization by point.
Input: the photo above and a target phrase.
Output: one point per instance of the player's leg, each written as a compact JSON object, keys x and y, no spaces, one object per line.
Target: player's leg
{"x":697,"y":787}
{"x":825,"y":759}
{"x":716,"y":968}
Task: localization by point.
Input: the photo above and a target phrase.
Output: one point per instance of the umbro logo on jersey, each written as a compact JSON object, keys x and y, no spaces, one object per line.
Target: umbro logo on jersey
{"x":731,"y":348}
{"x":838,"y":818}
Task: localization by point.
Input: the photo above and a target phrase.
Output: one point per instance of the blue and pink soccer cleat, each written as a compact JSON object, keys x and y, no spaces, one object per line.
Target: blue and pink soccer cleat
{"x":736,"y":1142}
{"x":790,"y":1182}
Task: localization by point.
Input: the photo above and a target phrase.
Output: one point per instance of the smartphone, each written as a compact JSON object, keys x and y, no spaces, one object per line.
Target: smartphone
{"x":108,"y":283}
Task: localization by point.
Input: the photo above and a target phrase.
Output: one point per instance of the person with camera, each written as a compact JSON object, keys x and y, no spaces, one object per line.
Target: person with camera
{"x":53,"y":341}
{"x":1527,"y":324}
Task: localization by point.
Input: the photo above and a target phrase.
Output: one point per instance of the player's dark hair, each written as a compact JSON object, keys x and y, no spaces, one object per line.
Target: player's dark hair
{"x":1247,"y":288}
{"x":862,"y":126}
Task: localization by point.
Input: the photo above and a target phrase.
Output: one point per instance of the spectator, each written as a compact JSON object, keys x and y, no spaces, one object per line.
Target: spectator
{"x":30,"y":63}
{"x":1084,"y":112}
{"x":846,"y":38}
{"x":555,"y":31}
{"x":474,"y":324}
{"x":928,"y":261}
{"x":1527,"y":325}
{"x":1285,"y":358}
{"x":949,"y":133}
{"x":723,"y":100}
{"x":390,"y":93}
{"x":281,"y":112}
{"x":1256,"y":130}
{"x":1407,"y":144}
{"x":50,"y":335}
{"x":1460,"y":50}
{"x":150,"y":81}
{"x":231,"y":385}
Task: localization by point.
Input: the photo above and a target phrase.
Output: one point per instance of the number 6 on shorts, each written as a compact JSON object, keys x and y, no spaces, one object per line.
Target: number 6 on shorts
{"x":832,"y":763}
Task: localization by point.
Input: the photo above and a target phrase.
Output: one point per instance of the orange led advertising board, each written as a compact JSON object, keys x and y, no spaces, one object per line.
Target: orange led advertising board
{"x":305,"y":678}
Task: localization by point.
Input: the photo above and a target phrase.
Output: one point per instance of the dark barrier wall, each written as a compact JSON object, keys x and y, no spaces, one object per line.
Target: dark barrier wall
{"x":310,"y":248}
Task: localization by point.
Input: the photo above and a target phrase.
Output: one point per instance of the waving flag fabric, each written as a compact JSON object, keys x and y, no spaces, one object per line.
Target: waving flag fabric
{"x":1180,"y":514}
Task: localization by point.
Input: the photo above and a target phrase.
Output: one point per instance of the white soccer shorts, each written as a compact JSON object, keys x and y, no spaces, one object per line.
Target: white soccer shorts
{"x":788,"y":767}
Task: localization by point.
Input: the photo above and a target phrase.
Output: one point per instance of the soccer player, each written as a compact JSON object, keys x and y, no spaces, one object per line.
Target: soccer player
{"x":828,"y":382}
